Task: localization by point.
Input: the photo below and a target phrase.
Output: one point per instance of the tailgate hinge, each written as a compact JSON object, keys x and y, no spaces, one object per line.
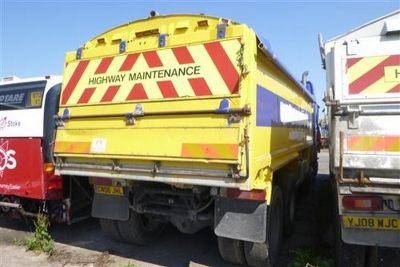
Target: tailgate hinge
{"x":352,"y":117}
{"x":130,"y":117}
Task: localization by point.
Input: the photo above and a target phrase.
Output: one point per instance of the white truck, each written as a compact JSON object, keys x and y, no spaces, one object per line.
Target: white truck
{"x":363,"y":102}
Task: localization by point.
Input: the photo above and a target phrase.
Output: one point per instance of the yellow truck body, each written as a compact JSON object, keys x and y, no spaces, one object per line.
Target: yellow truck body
{"x":190,"y":102}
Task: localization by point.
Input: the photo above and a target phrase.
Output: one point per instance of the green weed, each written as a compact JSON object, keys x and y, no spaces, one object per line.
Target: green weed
{"x":18,"y":242}
{"x":41,"y":240}
{"x":127,"y":265}
{"x":308,"y":257}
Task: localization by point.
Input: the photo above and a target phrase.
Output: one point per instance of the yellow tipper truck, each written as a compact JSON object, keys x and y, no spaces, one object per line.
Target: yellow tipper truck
{"x":190,"y":120}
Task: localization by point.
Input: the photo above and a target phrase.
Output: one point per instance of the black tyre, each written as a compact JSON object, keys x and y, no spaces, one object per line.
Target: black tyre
{"x":313,"y":173}
{"x":288,"y":187}
{"x":110,"y":229}
{"x":346,"y":254}
{"x":372,"y":258}
{"x":267,"y":253}
{"x":140,"y":229}
{"x":231,"y":250}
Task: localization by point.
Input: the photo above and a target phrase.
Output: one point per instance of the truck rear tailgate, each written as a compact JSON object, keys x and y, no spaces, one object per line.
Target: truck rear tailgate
{"x":198,"y":136}
{"x":174,"y":108}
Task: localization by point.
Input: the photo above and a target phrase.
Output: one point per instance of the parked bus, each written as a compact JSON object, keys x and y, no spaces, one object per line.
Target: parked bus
{"x":28,"y":184}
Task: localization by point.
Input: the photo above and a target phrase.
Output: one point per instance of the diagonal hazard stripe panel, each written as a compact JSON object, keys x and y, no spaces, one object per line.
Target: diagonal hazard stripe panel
{"x":356,"y":67}
{"x":110,"y":93}
{"x":87,"y":94}
{"x":104,"y":64}
{"x":73,"y":81}
{"x":186,"y":71}
{"x":152,"y":59}
{"x":395,"y":89}
{"x":183,"y":55}
{"x":352,"y":61}
{"x":167,"y":89}
{"x":374,"y":75}
{"x":200,"y":86}
{"x":224,"y":65}
{"x":130,"y":60}
{"x":137,"y":92}
{"x":210,"y":151}
{"x":373,"y":143}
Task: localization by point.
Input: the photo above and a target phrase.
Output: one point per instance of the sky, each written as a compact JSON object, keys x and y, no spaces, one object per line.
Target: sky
{"x":36,"y":34}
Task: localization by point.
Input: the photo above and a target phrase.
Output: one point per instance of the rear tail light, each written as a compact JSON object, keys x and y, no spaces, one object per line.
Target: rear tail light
{"x":366,"y":203}
{"x":241,"y":194}
{"x":53,"y":183}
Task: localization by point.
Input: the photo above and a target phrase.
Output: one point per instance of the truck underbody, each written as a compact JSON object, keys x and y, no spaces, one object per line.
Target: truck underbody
{"x":75,"y":205}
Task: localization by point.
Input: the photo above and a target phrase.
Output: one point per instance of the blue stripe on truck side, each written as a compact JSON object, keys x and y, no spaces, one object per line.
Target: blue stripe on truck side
{"x":275,"y":111}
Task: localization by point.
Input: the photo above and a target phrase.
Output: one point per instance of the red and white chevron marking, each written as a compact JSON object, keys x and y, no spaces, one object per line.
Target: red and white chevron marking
{"x":196,"y":70}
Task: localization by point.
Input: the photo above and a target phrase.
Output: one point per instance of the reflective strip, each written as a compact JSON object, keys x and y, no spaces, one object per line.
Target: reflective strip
{"x":210,"y":151}
{"x":374,"y":75}
{"x":72,"y":147}
{"x":196,"y":70}
{"x":73,"y":80}
{"x":373,"y":143}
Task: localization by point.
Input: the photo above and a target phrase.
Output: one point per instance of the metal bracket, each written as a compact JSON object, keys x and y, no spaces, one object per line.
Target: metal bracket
{"x":115,"y":165}
{"x":352,"y":47}
{"x":156,"y":167}
{"x":59,"y":121}
{"x":352,"y":121}
{"x":234,"y":118}
{"x":130,"y":119}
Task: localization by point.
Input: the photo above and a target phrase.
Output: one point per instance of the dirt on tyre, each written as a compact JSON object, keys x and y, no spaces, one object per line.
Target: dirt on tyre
{"x":110,"y":229}
{"x":267,"y":254}
{"x":231,"y":250}
{"x":140,"y":229}
{"x":288,"y":187}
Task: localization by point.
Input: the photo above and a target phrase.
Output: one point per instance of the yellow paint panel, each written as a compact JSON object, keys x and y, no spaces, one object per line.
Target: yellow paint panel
{"x":392,"y":74}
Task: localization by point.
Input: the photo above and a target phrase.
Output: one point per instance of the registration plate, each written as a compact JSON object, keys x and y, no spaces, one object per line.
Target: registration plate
{"x":371,"y":223}
{"x":110,"y":190}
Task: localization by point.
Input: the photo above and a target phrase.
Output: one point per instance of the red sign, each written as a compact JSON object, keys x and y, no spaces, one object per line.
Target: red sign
{"x":21,"y":167}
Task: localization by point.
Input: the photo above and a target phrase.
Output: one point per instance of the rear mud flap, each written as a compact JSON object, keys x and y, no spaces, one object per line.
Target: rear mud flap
{"x":241,"y":219}
{"x":371,"y":237}
{"x":110,"y":207}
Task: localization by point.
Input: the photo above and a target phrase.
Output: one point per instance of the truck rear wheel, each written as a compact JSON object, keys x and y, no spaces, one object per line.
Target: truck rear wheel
{"x":110,"y":229}
{"x":231,"y":250}
{"x":288,"y":187}
{"x":267,"y":253}
{"x":140,"y":229}
{"x":346,"y":254}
